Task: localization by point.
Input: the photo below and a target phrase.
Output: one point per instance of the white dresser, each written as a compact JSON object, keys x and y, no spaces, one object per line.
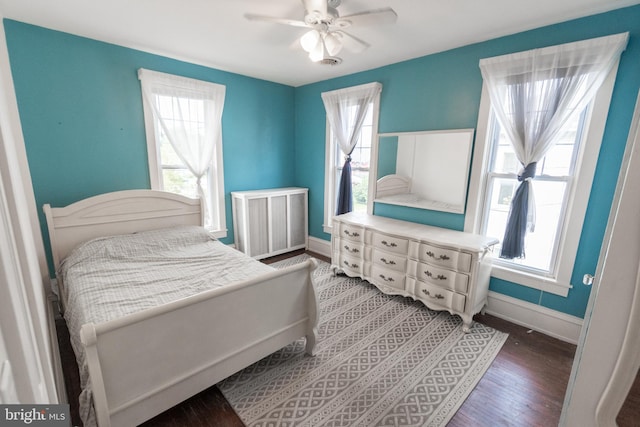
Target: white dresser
{"x":270,"y":222}
{"x":444,"y":269}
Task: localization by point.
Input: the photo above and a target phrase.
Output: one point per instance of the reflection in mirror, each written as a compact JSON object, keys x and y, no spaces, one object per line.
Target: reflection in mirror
{"x":428,"y":170}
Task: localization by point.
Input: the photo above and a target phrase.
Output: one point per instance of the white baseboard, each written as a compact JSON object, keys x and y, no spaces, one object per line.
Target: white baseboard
{"x":319,"y":246}
{"x":549,"y":322}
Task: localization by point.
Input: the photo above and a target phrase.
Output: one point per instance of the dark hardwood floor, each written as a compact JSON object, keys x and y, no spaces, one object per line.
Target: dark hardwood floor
{"x":524,"y":386}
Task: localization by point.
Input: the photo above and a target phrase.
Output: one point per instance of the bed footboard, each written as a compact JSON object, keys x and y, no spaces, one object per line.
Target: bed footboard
{"x":142,"y":364}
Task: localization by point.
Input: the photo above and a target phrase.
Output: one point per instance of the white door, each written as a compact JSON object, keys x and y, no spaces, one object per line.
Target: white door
{"x":606,"y":360}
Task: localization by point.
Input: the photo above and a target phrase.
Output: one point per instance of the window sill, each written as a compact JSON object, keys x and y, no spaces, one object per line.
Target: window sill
{"x":545,"y":284}
{"x":218,"y":234}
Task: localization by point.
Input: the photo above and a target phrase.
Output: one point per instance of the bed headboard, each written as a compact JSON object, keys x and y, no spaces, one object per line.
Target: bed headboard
{"x":390,"y":185}
{"x":120,"y":212}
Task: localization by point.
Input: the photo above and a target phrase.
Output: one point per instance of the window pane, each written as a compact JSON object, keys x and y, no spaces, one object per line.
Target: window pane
{"x":168,"y":156}
{"x":182,"y":181}
{"x":179,"y":181}
{"x":504,"y":159}
{"x":501,"y":192}
{"x":540,"y":244}
{"x":360,"y":157}
{"x":540,"y":247}
{"x":360,"y":183}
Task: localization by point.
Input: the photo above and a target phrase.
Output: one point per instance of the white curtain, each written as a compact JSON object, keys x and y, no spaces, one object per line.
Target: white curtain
{"x":533,"y":94}
{"x":190,"y":114}
{"x":346,"y":110}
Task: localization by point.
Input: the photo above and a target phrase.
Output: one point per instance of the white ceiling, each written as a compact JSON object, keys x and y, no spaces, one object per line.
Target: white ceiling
{"x":215,"y":33}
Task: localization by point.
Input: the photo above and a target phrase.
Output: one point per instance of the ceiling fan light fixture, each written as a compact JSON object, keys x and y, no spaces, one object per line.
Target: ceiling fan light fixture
{"x":326,"y":36}
{"x":310,"y":40}
{"x":317,"y":54}
{"x":333,"y":43}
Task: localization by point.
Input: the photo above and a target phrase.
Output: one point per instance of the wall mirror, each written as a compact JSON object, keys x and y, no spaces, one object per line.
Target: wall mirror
{"x":428,"y":170}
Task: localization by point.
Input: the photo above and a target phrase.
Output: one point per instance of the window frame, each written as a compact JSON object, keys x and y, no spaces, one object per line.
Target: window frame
{"x":541,"y":177}
{"x":331,"y":152}
{"x":559,"y":281}
{"x":215,"y":175}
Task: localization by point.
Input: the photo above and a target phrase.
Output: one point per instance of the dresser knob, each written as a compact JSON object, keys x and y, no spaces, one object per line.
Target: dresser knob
{"x":438,"y":277}
{"x":441,"y":257}
{"x":353,"y":251}
{"x":436,"y":296}
{"x":352,"y":265}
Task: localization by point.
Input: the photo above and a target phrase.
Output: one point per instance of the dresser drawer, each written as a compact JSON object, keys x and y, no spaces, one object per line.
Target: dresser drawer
{"x":352,"y":265}
{"x":442,"y":277}
{"x":385,"y":277}
{"x":348,"y":247}
{"x":390,"y":243}
{"x":352,"y":232}
{"x":389,"y":260}
{"x":449,"y":258}
{"x":435,"y":295}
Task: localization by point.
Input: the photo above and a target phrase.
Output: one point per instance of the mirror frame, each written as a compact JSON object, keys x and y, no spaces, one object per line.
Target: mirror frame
{"x":424,"y":204}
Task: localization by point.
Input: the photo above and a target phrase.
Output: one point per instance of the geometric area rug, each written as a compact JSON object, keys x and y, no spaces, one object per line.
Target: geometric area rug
{"x":380,"y":360}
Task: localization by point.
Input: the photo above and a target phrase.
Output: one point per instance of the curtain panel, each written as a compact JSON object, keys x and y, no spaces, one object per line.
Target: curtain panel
{"x":346,"y":110}
{"x":533,"y":94}
{"x":189,"y":112}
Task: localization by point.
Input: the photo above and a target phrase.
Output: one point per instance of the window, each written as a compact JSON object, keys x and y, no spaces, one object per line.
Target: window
{"x":552,"y":189}
{"x":360,"y":163}
{"x":561,"y":185}
{"x":360,"y":158}
{"x":183,"y":125}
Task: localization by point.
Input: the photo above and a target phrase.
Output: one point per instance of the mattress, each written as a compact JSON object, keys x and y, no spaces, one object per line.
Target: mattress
{"x":111,"y":277}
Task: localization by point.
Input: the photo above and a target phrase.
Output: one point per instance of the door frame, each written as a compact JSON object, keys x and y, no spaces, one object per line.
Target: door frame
{"x":606,"y":361}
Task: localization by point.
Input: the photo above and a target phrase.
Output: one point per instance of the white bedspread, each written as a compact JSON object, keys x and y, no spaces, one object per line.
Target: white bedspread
{"x":110,"y":277}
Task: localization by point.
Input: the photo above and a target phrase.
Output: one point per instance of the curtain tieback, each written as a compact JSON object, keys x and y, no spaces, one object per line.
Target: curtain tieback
{"x":347,"y":159}
{"x":528,"y":172}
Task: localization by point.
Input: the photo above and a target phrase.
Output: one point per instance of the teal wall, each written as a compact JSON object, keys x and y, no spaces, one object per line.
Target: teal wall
{"x":387,"y":156}
{"x":81,"y":110}
{"x":442,"y":91}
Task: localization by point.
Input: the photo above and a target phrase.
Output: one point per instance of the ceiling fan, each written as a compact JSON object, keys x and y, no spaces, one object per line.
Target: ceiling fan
{"x":327,"y":36}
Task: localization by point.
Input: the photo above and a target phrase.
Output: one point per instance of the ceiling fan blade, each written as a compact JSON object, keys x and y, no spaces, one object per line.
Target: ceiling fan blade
{"x":385,"y":15}
{"x":315,"y":5}
{"x":285,"y":21}
{"x":353,"y":43}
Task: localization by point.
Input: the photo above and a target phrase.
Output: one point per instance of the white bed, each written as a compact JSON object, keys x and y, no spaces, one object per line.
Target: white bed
{"x":139,"y":361}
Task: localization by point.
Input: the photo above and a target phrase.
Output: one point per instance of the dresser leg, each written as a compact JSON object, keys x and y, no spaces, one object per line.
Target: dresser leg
{"x":466,"y":323}
{"x":334,"y":269}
